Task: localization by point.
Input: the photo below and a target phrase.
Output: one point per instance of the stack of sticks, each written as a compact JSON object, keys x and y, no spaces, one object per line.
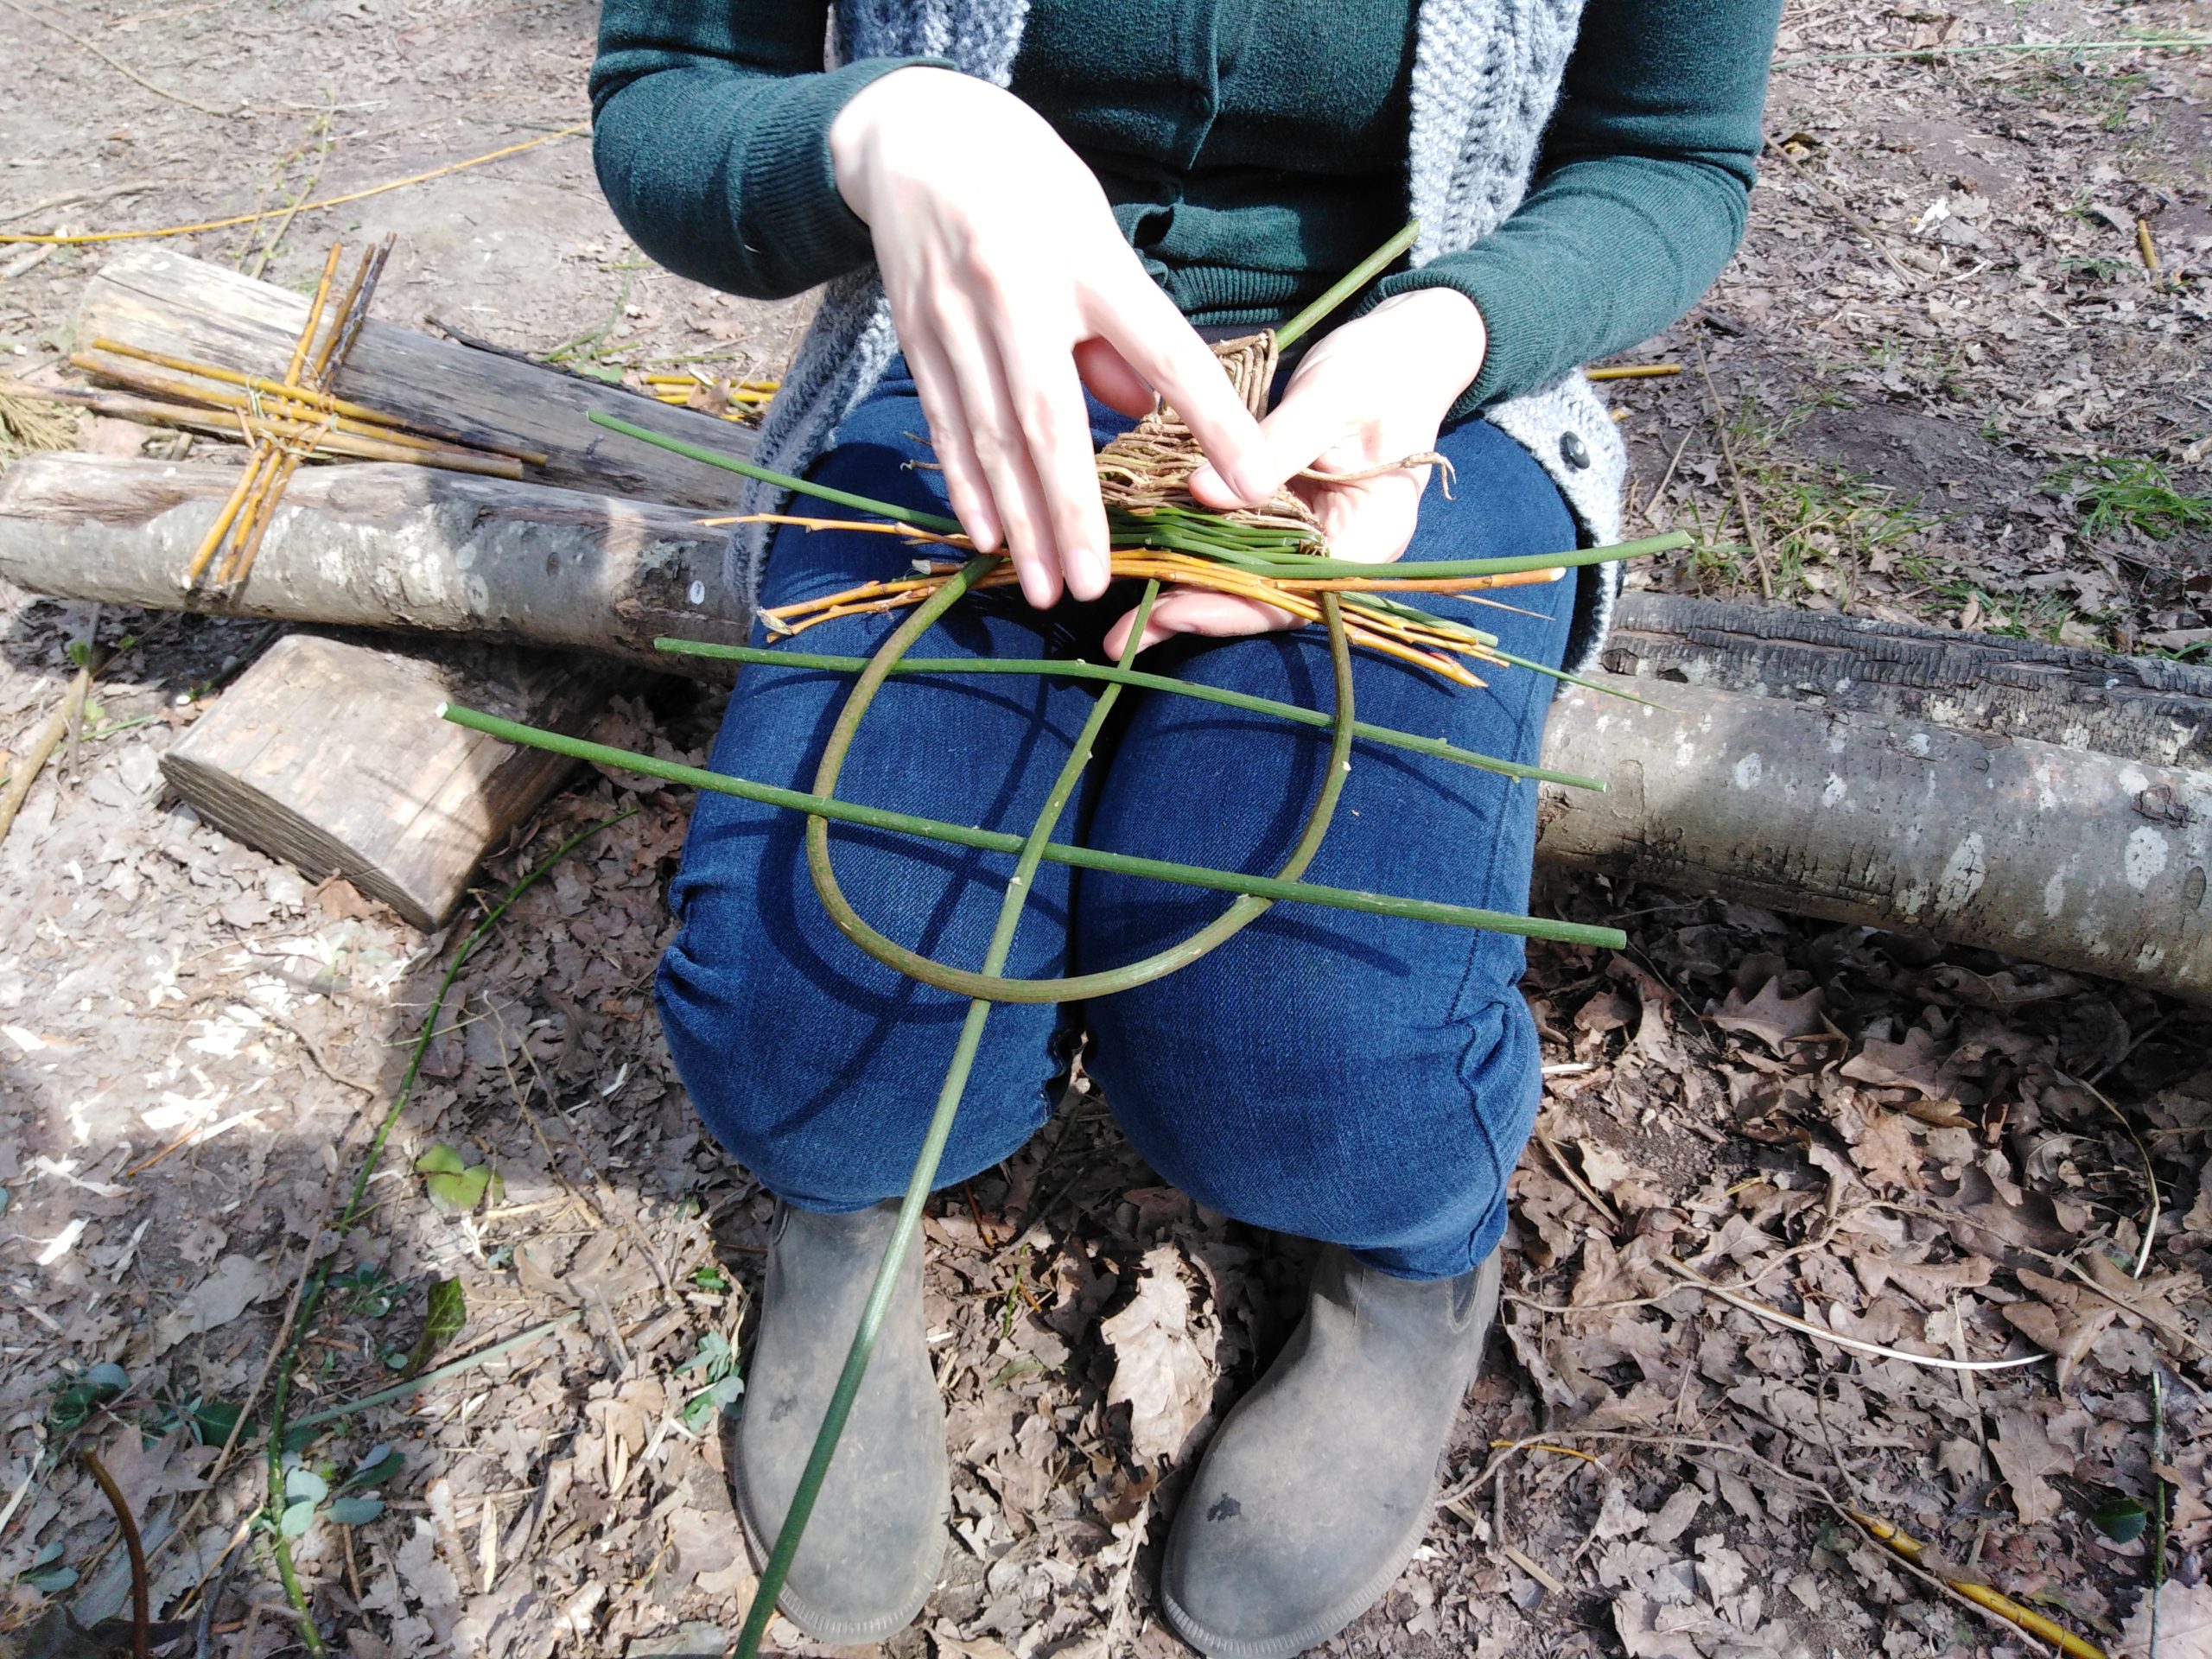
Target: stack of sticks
{"x":284,"y":421}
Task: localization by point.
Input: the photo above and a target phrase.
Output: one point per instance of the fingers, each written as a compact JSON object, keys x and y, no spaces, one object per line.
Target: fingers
{"x":1006,"y":416}
{"x":1142,"y":324}
{"x":1055,"y":429}
{"x":1218,"y":616}
{"x":1003,"y":453}
{"x":965,"y":487}
{"x":1308,"y":421}
{"x":1111,"y":379}
{"x":1372,"y":521}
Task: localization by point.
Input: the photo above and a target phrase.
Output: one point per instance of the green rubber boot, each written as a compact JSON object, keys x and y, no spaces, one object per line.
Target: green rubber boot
{"x":875,"y":1544}
{"x":1316,"y":1492}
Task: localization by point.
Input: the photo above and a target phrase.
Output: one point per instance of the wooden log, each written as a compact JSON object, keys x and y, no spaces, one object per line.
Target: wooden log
{"x":2082,"y":859}
{"x":329,"y":754}
{"x":2148,"y":709}
{"x":375,"y":545}
{"x":2054,"y":780}
{"x":165,"y":301}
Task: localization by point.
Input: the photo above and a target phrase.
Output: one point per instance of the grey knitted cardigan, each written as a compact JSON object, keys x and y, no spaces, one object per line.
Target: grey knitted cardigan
{"x":1486,"y":75}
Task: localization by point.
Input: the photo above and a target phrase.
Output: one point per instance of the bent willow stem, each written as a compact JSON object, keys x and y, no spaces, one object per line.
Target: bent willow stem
{"x":779,"y":1564}
{"x":990,"y":985}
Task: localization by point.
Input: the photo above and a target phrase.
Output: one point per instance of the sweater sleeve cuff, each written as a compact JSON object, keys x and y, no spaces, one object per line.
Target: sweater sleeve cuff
{"x":1518,"y":318}
{"x":786,"y":197}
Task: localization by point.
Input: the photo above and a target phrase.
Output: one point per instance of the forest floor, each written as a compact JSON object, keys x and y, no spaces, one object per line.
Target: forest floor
{"x":1943,"y":380}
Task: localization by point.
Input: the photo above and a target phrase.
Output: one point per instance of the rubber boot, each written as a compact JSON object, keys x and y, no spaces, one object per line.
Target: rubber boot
{"x":873,"y":1548}
{"x":1315,"y":1492}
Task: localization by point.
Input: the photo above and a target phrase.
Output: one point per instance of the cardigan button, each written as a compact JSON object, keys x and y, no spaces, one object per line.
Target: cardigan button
{"x":1573,"y":451}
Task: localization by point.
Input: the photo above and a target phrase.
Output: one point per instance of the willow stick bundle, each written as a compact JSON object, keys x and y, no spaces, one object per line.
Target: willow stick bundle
{"x":264,"y":452}
{"x":306,"y":400}
{"x":228,"y":424}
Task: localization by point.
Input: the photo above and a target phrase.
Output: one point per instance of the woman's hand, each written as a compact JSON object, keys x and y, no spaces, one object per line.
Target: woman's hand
{"x":1374,"y":391}
{"x":1010,"y":286}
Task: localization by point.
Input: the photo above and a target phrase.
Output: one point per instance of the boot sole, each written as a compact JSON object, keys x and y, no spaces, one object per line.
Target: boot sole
{"x":1314,"y":1631}
{"x":760,"y":1543}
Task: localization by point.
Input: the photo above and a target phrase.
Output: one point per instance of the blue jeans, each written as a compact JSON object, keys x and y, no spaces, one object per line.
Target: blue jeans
{"x":1347,"y":1078}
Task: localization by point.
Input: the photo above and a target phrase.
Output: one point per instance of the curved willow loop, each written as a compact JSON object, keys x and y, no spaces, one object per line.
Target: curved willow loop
{"x":1076,"y":988}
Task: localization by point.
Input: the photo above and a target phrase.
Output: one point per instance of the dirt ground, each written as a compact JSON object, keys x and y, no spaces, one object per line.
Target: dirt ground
{"x":1944,"y":382}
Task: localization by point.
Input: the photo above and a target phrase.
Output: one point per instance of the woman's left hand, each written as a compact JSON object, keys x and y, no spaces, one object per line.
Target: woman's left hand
{"x":1373,"y":391}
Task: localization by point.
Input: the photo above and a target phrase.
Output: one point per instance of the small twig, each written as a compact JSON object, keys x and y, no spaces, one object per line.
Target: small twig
{"x":142,"y":1614}
{"x":580,"y":129}
{"x":1753,"y":529}
{"x":308,"y":1256}
{"x":1820,"y":1333}
{"x":1588,"y":1194}
{"x":1874,"y":236}
{"x":2009,"y":1611}
{"x":117,"y":65}
{"x":72,"y":198}
{"x":2150,"y":1174}
{"x":2184,"y":44}
{"x":203,"y":1643}
{"x":57,"y":726}
{"x":455,"y":1367}
{"x":284,"y":225}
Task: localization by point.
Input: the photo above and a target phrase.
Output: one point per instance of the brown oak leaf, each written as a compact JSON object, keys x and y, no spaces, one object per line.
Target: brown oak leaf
{"x":2025,"y":1453}
{"x":1887,"y":1152}
{"x":1774,"y":1019}
{"x":1917,"y":1063}
{"x":2067,"y":1319}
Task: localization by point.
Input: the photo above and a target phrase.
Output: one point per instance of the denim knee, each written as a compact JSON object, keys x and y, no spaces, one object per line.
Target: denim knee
{"x":823,"y":1092}
{"x":1325,"y":1118}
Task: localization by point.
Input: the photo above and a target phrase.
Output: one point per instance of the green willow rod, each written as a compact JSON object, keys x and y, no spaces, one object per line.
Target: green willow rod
{"x":1296,"y":569}
{"x":778,"y":1566}
{"x":1288,"y":566}
{"x":992,"y":840}
{"x":1345,"y":286}
{"x":997,"y":987}
{"x":1136,"y":678}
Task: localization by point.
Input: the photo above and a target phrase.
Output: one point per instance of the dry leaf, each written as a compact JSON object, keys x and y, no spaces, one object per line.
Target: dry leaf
{"x":1772,"y":1018}
{"x":1887,"y":1152}
{"x":2067,"y":1320}
{"x":1677,"y":1515}
{"x":143,"y":1473}
{"x":2184,"y":1624}
{"x":237,"y":1282}
{"x":2025,"y":1453}
{"x":1633,"y":1616}
{"x":1158,"y":1369}
{"x":2150,"y":1298}
{"x":1916,"y":1063}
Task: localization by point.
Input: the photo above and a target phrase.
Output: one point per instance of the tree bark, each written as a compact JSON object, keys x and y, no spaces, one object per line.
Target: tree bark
{"x":2147,"y":708}
{"x":2082,"y":859}
{"x":164,"y":302}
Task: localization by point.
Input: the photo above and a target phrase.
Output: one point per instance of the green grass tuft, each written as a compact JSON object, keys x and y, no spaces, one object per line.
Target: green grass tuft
{"x":2120,"y":491}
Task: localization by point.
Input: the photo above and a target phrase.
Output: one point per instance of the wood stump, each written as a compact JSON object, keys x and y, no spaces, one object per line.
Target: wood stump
{"x":329,"y":754}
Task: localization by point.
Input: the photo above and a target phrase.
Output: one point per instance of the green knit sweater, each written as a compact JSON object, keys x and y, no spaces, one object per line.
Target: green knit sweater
{"x":1253,"y":151}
